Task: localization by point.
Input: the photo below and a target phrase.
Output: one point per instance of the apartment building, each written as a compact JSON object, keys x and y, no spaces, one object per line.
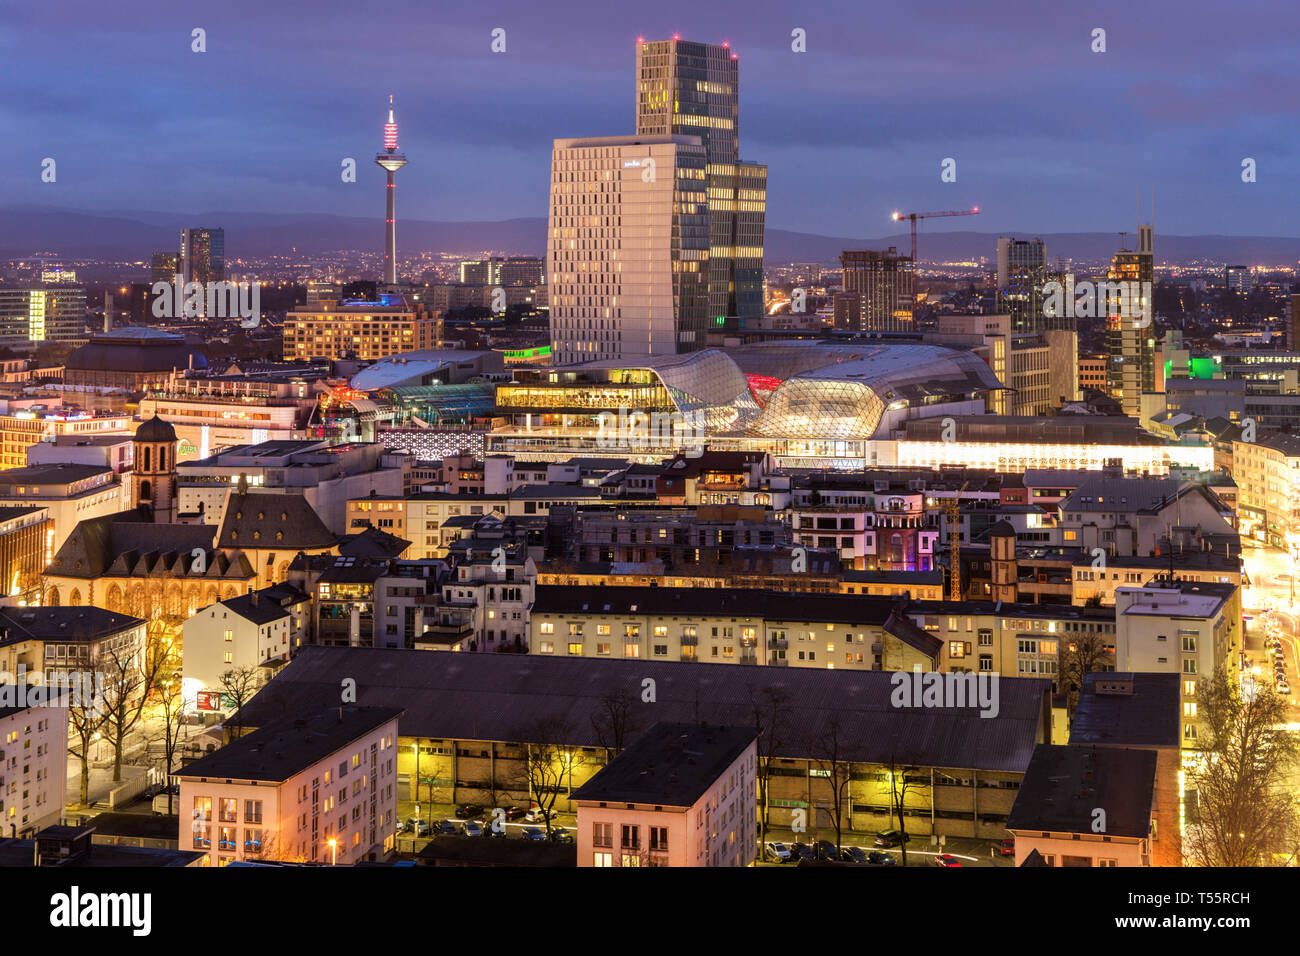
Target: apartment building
{"x":1096,"y":581}
{"x":33,"y":766}
{"x":320,"y":789}
{"x":1267,"y":472}
{"x":680,"y":795}
{"x":1054,"y":819}
{"x":820,"y":631}
{"x":1172,"y":626}
{"x":259,"y":629}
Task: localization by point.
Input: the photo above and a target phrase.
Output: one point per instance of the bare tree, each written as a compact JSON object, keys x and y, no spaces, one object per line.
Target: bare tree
{"x":830,"y":752}
{"x":1246,"y":813}
{"x":238,"y":685}
{"x":771,"y":709}
{"x":171,"y":717}
{"x":85,"y":720}
{"x":130,"y":676}
{"x":614,"y":721}
{"x":899,"y":785}
{"x":549,"y":762}
{"x":1080,"y":657}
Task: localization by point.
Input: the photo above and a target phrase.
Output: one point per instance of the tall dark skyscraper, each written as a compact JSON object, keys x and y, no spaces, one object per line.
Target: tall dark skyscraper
{"x":391,"y":161}
{"x":692,"y":89}
{"x":202,"y":255}
{"x":1130,"y":331}
{"x":1022,"y":271}
{"x":163,"y":267}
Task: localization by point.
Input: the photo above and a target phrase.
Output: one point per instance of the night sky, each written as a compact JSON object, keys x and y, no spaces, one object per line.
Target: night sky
{"x":1048,"y":136}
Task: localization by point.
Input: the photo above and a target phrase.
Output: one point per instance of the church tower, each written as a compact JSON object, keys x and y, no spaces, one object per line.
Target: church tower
{"x":153,"y":482}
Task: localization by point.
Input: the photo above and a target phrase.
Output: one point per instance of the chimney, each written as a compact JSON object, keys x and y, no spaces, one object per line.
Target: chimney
{"x":252,"y":598}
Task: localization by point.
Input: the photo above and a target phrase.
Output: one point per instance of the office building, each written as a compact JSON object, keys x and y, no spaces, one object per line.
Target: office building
{"x":163,"y":267}
{"x":69,"y":492}
{"x":202,"y":256}
{"x":25,"y":422}
{"x":502,"y":271}
{"x":1238,"y":280}
{"x":692,"y":89}
{"x":627,"y":248}
{"x":30,"y":317}
{"x":882,"y":282}
{"x":1022,"y":272}
{"x":1130,"y":324}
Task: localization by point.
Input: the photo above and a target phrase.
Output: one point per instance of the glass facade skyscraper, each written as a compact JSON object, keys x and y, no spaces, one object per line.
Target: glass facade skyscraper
{"x":692,"y":89}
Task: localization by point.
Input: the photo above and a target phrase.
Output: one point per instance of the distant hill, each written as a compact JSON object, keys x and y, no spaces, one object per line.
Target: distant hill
{"x":133,"y":235}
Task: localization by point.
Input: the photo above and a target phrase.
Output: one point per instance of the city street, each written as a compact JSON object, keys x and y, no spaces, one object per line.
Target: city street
{"x":1269,"y":603}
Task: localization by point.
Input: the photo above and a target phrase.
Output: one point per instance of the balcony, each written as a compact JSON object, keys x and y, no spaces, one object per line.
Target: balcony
{"x":778,"y":643}
{"x":689,"y":640}
{"x":779,"y":661}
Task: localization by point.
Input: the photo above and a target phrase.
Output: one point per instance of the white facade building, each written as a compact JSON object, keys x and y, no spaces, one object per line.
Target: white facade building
{"x":627,"y":249}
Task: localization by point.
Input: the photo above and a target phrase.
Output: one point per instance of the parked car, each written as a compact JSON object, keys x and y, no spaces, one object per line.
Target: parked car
{"x":469,"y":811}
{"x":562,"y":835}
{"x":881,"y":858}
{"x":418,"y":827}
{"x":853,"y":854}
{"x":447,"y":828}
{"x":1283,"y":687}
{"x":535,"y":815}
{"x":472,"y":828}
{"x":802,"y":852}
{"x":825,"y":850}
{"x":534,"y":833}
{"x":946,"y":859}
{"x":1007,"y":848}
{"x":892,"y":838}
{"x":776,"y":852}
{"x":515,"y":813}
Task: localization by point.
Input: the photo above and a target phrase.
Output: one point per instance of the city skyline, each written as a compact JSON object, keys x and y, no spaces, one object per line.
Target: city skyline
{"x":850,"y":131}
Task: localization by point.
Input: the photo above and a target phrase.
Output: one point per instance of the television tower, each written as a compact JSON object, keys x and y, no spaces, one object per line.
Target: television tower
{"x":391,"y":160}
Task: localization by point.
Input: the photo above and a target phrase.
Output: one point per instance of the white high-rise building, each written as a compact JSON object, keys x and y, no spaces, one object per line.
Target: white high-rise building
{"x":627,"y":248}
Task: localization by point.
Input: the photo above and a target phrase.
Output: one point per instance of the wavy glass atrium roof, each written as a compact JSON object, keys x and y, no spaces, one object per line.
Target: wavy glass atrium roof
{"x":842,"y":391}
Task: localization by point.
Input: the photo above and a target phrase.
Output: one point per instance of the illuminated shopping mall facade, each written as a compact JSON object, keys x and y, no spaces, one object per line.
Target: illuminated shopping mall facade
{"x":815,"y":405}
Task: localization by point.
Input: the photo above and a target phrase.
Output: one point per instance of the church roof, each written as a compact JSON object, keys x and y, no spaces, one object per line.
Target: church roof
{"x":273,"y":522}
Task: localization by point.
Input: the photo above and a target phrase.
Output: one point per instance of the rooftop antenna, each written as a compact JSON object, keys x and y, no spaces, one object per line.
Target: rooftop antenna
{"x":1123,"y":246}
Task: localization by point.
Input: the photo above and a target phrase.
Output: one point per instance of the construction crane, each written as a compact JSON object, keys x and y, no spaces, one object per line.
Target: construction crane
{"x":912,"y":217}
{"x":952,"y":509}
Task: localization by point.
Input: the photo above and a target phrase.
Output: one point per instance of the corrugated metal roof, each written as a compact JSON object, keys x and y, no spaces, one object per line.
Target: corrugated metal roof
{"x":498,"y":697}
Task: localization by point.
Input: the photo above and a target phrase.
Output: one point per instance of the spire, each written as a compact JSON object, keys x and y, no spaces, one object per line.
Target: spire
{"x":390,"y":128}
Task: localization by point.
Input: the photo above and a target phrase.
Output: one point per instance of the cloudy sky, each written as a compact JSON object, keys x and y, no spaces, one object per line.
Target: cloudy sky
{"x":1047,"y":135}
